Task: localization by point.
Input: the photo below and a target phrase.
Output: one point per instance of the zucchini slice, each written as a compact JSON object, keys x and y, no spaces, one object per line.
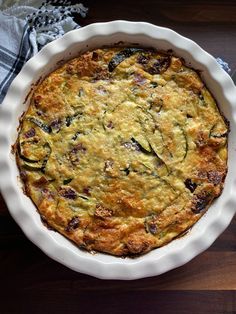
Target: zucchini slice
{"x":158,"y":145}
{"x":181,"y":143}
{"x":31,"y":163}
{"x":41,"y":125}
{"x":177,"y":152}
{"x":142,"y":142}
{"x":121,"y":56}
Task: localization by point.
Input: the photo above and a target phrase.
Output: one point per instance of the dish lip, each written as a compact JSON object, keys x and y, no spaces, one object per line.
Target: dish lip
{"x":102,"y":266}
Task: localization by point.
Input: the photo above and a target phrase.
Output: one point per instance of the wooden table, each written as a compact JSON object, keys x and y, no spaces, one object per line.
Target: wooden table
{"x":33,"y":283}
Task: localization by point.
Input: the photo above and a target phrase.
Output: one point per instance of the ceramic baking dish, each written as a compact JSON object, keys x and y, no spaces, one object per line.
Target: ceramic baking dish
{"x":160,"y":260}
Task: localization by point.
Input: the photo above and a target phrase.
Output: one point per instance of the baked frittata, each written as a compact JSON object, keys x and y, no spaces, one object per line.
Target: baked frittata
{"x":122,"y":149}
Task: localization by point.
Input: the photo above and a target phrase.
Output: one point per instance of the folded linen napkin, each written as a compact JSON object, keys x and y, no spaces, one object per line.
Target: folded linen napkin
{"x":25,"y":27}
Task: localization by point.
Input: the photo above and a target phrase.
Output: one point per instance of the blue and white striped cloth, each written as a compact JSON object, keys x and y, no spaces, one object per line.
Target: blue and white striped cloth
{"x":26,"y":28}
{"x":15,"y":50}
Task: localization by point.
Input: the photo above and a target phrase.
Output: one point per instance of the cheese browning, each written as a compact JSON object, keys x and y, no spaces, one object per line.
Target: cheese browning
{"x":122,"y":149}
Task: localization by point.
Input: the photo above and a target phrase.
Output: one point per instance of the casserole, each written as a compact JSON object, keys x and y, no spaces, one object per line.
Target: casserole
{"x":158,"y":261}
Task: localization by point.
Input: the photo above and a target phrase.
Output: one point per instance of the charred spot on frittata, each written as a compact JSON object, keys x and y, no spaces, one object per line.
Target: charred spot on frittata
{"x":122,"y":149}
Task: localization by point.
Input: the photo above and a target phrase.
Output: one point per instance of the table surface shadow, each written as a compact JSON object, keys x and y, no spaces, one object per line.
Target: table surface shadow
{"x":31,"y":282}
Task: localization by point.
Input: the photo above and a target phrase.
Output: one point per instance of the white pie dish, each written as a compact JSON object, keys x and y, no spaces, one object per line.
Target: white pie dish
{"x":160,"y":260}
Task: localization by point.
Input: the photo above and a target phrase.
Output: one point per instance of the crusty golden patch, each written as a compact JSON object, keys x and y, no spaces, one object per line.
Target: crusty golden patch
{"x":122,"y":149}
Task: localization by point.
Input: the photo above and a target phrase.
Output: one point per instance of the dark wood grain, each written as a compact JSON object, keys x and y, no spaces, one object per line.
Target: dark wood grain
{"x":212,"y":25}
{"x":33,"y":283}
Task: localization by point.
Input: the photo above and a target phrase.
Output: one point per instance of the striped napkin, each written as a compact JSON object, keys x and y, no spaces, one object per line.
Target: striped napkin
{"x":25,"y":27}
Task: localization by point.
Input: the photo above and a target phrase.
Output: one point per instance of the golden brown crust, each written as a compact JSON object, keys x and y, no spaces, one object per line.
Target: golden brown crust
{"x":122,"y":150}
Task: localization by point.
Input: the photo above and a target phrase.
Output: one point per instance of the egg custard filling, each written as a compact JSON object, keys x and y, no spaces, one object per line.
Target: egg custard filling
{"x":122,"y":149}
